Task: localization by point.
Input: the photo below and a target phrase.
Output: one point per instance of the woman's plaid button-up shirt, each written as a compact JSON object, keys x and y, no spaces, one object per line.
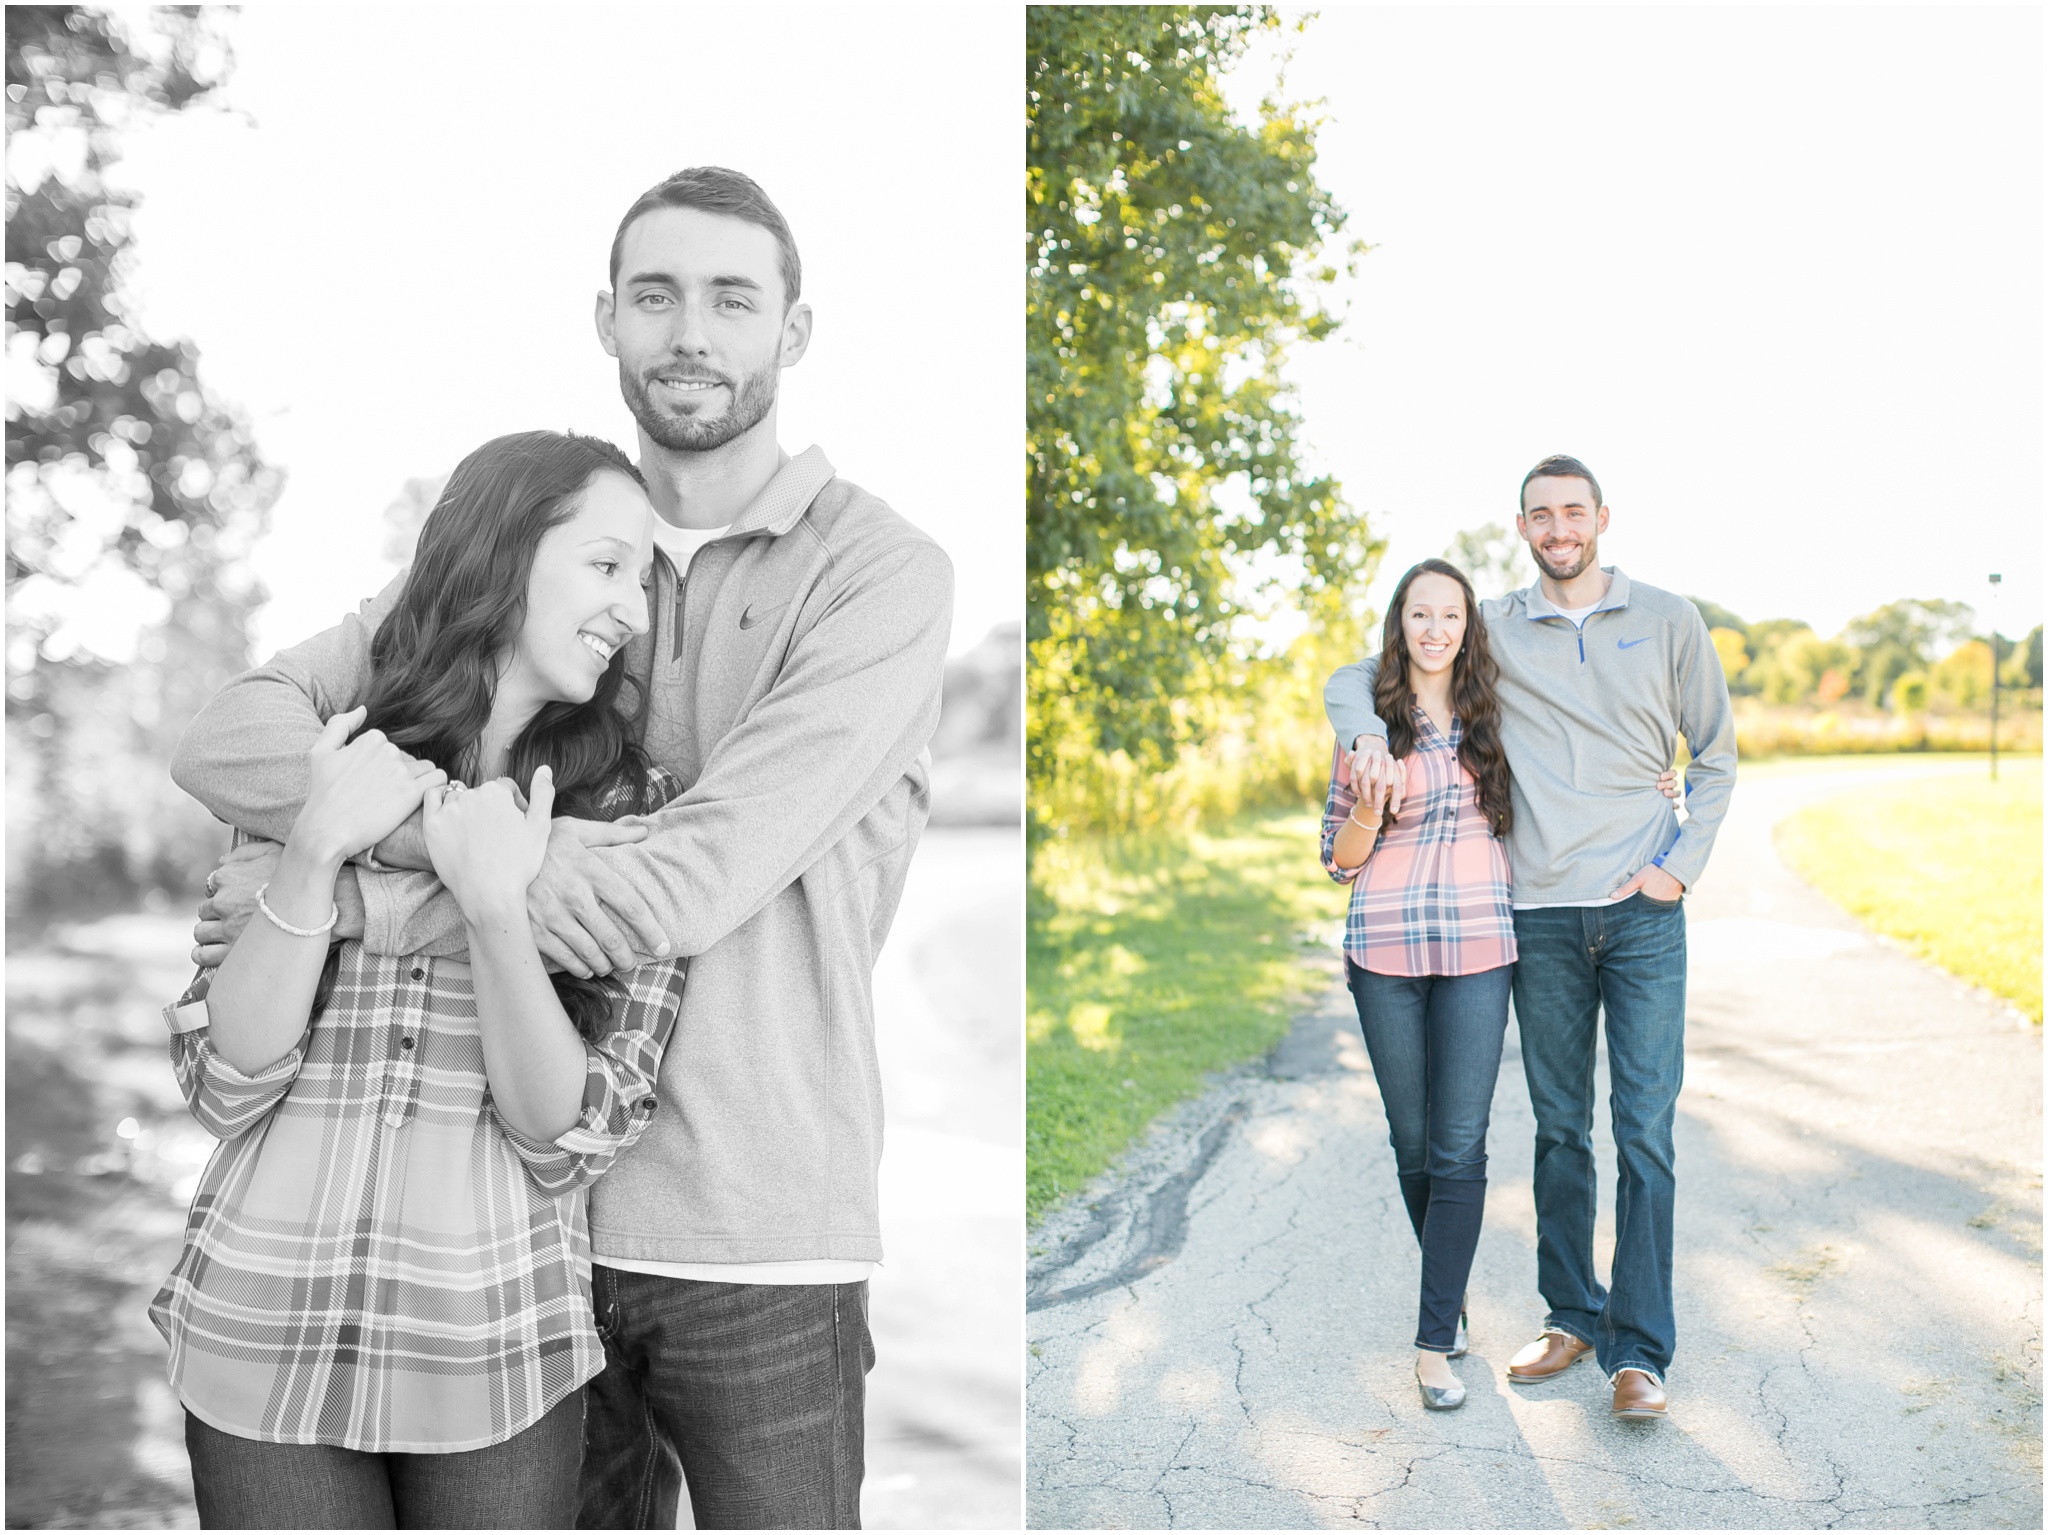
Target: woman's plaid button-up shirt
{"x":374,"y":1258}
{"x":1433,"y":896}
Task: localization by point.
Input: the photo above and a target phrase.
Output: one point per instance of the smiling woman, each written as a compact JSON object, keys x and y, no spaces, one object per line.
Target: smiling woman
{"x":586,"y":597}
{"x":468,"y":1406}
{"x":379,"y":280}
{"x":548,"y":545}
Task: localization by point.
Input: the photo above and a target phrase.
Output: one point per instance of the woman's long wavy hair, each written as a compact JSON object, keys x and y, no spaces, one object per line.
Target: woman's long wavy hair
{"x":1475,"y":696}
{"x":435,"y":660}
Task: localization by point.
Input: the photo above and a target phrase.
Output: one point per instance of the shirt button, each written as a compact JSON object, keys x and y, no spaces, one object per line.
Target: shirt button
{"x":649,"y":1104}
{"x":405,"y":1043}
{"x":418,"y":973}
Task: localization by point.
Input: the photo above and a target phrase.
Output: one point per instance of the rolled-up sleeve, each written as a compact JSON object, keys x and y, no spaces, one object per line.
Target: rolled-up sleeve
{"x":224,"y":1099}
{"x":621,"y":1065}
{"x":1336,"y":809}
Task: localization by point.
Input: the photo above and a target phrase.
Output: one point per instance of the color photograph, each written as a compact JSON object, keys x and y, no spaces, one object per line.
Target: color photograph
{"x":1533,"y":656}
{"x":514,"y":768}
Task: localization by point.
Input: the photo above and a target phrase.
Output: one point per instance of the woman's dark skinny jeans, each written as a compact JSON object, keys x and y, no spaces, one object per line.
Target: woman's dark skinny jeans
{"x":1435,"y":1043}
{"x":527,"y":1482}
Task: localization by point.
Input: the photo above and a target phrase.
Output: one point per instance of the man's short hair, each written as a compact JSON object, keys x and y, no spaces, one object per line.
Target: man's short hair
{"x":1560,"y":466}
{"x":714,"y":189}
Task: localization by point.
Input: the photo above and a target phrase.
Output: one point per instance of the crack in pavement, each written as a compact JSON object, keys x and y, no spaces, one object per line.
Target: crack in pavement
{"x":1827,"y":1144}
{"x":1165,"y":1224}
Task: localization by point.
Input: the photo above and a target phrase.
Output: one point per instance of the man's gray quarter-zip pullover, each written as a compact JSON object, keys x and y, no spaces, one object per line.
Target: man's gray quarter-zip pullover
{"x":1590,"y":716}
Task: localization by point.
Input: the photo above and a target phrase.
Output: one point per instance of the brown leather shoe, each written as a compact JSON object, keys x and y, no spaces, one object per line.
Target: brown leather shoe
{"x":1637,"y":1396}
{"x":1549,"y":1355}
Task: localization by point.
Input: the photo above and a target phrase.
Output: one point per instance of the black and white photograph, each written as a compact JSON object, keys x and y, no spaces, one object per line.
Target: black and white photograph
{"x":514,"y":768}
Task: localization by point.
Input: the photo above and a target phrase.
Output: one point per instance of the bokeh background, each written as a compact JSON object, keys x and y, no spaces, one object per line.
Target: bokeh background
{"x":1306,"y":296}
{"x":270,"y":274}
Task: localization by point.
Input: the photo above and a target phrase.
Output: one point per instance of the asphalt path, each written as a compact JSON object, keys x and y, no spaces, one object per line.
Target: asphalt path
{"x":1220,"y":1334}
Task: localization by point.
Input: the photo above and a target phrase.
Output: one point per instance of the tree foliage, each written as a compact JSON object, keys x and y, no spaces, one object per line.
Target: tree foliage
{"x":1903,"y":656}
{"x":1733,"y":653}
{"x":1718,"y":617}
{"x":1901,"y":638}
{"x":1172,"y":255}
{"x":1493,"y":558}
{"x":2022,"y":660}
{"x":133,"y":494}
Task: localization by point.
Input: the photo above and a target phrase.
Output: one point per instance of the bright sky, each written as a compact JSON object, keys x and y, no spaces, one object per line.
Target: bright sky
{"x":1774,"y":273}
{"x":390,"y":255}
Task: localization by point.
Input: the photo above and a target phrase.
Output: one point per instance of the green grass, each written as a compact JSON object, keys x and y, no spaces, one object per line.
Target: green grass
{"x":1153,"y":962}
{"x":1950,"y":866}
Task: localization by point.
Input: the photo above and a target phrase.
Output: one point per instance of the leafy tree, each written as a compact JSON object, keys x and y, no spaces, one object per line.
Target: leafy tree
{"x":1729,"y":647}
{"x":2022,"y":665}
{"x":1767,"y":632}
{"x":1718,"y":617}
{"x":1963,"y":676}
{"x":1794,"y":664}
{"x":1902,"y":637}
{"x":1492,"y":559}
{"x":1171,"y":257}
{"x":133,"y":494}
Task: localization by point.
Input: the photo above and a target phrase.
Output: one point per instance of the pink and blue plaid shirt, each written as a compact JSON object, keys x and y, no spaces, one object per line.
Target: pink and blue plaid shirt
{"x":1432,"y":897}
{"x":374,"y":1259}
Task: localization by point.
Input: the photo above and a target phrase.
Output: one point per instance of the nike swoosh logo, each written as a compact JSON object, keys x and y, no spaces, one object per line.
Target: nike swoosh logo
{"x":1619,"y":644}
{"x":753,"y":615}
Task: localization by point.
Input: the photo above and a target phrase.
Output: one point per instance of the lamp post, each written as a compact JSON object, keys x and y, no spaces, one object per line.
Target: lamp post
{"x":1995,"y":578}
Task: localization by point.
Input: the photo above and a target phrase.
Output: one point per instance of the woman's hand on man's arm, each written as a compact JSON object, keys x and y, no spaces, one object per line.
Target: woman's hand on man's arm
{"x":1348,"y":701}
{"x":488,"y":847}
{"x":1360,"y":831}
{"x":355,"y":789}
{"x":243,"y":871}
{"x":258,"y":1003}
{"x":1376,"y":774}
{"x":583,"y":916}
{"x":587,"y":918}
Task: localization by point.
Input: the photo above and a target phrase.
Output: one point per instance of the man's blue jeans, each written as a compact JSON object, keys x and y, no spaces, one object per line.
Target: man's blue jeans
{"x":1435,"y":1046}
{"x":1576,"y":961}
{"x":755,"y":1392}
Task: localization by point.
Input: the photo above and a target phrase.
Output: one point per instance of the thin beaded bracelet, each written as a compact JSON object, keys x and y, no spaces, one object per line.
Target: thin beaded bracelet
{"x":333,"y":916}
{"x":1363,"y":825}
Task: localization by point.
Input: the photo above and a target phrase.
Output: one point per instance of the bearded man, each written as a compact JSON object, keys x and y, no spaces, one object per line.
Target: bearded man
{"x":791,"y":679}
{"x":1599,"y":677}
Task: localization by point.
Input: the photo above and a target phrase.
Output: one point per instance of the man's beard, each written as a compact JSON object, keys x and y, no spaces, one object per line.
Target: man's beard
{"x":751,"y":402}
{"x":1589,"y":551}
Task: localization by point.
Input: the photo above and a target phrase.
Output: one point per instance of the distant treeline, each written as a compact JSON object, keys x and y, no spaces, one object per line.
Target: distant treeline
{"x":1906,"y":656}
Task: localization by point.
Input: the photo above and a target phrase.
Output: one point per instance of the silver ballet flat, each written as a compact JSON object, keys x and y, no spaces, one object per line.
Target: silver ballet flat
{"x":1463,"y":1343}
{"x":1439,"y":1398}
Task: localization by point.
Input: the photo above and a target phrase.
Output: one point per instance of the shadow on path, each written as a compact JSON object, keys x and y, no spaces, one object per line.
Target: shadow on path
{"x":1859,"y":1302}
